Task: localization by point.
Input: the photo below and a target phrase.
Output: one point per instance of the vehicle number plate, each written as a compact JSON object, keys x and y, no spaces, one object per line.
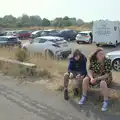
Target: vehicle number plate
{"x":102,"y":43}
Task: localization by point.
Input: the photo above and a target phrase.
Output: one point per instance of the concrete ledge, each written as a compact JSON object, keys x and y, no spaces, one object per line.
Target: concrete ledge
{"x":9,"y":66}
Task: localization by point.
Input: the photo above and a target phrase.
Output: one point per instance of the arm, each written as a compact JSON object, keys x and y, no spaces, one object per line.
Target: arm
{"x":90,"y":71}
{"x":90,"y":74}
{"x":102,"y":77}
{"x":70,"y":66}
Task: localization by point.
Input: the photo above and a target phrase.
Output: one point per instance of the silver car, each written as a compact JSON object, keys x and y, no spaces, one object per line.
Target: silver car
{"x":115,"y":59}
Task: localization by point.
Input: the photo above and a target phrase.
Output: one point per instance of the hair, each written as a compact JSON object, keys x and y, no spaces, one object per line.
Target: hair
{"x":93,"y":56}
{"x":76,"y":52}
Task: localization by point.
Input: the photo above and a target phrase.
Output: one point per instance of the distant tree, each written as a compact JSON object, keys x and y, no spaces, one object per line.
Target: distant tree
{"x":9,"y":20}
{"x":66,"y":18}
{"x":57,"y":22}
{"x":73,"y":21}
{"x":24,"y":20}
{"x":35,"y":20}
{"x":66,"y":23}
{"x":45,"y":22}
{"x":79,"y":22}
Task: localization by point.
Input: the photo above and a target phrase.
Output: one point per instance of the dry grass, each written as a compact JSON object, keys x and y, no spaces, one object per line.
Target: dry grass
{"x":85,"y":26}
{"x":46,"y":68}
{"x":51,"y":72}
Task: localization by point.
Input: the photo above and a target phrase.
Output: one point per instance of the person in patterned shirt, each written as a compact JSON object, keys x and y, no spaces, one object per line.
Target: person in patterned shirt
{"x":99,"y":75}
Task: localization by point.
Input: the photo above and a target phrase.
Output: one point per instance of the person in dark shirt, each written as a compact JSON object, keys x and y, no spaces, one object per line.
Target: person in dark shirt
{"x":77,"y":70}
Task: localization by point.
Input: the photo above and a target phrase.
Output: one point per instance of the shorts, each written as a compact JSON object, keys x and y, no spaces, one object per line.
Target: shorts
{"x":107,"y":80}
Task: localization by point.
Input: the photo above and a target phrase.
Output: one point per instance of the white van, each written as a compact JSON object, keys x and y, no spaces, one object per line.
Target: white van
{"x":106,"y":32}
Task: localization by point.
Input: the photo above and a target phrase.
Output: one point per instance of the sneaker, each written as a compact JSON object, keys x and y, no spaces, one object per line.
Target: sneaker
{"x":82,"y":100}
{"x":105,"y":106}
{"x":76,"y":92}
{"x":66,"y":97}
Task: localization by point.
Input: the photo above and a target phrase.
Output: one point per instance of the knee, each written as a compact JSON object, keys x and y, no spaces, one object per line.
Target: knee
{"x":78,"y":77}
{"x":103,"y":84}
{"x":66,"y":76}
{"x":86,"y":81}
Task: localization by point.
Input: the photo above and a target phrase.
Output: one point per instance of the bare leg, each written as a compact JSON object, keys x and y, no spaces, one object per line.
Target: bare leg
{"x":66,"y":80}
{"x":85,"y":85}
{"x":104,"y":89}
{"x":105,"y":92}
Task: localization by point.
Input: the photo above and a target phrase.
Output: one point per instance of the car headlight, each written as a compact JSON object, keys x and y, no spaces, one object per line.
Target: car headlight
{"x":107,"y":56}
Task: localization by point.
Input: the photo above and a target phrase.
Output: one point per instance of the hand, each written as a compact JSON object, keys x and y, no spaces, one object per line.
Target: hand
{"x":78,"y":76}
{"x":93,"y":81}
{"x":71,"y":75}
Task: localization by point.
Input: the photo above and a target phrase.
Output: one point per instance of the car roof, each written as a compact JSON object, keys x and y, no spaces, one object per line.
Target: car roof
{"x":50,"y":37}
{"x":34,"y":32}
{"x":8,"y":37}
{"x":85,"y":32}
{"x":49,"y":30}
{"x":10,"y":31}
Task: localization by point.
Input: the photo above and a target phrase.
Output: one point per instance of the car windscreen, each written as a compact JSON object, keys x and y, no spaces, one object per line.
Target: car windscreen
{"x":22,"y":32}
{"x":12,"y":39}
{"x":56,"y":40}
{"x":83,"y":34}
{"x":38,"y":40}
{"x":3,"y":39}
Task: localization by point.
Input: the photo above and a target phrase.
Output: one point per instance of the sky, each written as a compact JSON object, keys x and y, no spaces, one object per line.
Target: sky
{"x":87,"y":10}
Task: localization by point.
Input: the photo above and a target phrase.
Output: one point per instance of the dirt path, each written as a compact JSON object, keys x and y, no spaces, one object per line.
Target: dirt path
{"x":32,"y":102}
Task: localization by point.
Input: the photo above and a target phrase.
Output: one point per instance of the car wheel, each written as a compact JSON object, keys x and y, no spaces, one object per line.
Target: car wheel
{"x":116,"y":64}
{"x":97,"y":45}
{"x":78,"y":42}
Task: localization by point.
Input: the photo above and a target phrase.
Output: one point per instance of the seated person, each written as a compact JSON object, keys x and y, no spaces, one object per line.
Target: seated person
{"x":99,"y":74}
{"x":77,"y":70}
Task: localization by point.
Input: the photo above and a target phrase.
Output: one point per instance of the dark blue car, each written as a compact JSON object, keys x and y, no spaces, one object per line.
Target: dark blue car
{"x":9,"y":40}
{"x":68,"y":34}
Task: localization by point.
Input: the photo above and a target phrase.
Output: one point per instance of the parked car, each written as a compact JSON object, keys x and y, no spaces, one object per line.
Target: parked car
{"x":11,"y":33}
{"x":67,"y":34}
{"x":115,"y":59}
{"x":84,"y":37}
{"x":36,"y":34}
{"x":9,"y":40}
{"x":50,"y":32}
{"x":3,"y":33}
{"x":23,"y":34}
{"x":49,"y":44}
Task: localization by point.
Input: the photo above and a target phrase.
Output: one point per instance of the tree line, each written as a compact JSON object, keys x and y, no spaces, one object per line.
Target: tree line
{"x":29,"y":21}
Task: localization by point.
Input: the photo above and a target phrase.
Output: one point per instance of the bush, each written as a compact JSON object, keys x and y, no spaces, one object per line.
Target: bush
{"x":21,"y":55}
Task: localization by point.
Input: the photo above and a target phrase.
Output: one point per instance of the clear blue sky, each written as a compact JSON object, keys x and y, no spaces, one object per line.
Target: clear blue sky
{"x":87,"y":10}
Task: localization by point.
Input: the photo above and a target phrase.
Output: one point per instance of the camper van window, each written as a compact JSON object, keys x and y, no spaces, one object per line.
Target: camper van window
{"x":115,"y":28}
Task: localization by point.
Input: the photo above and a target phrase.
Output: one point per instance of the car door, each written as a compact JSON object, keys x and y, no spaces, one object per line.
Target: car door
{"x":37,"y":45}
{"x":3,"y":41}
